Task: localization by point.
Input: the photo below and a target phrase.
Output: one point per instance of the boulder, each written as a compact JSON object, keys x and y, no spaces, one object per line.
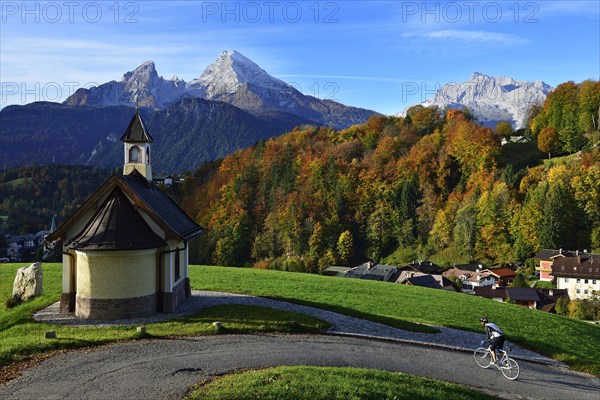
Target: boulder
{"x":28,"y":282}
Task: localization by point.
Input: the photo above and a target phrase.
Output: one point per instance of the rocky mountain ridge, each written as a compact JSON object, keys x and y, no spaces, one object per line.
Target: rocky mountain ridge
{"x":142,"y":87}
{"x":492,"y":99}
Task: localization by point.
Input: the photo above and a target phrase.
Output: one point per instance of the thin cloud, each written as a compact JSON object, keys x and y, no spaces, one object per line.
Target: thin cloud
{"x":348,"y":77}
{"x":469,"y":37}
{"x":585,"y":8}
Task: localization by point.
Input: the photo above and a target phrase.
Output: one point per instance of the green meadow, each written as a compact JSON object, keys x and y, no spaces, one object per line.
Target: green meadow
{"x":322,"y":383}
{"x":571,"y":341}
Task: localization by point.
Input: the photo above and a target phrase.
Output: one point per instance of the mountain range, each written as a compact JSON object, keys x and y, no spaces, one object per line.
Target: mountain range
{"x":232,"y":105}
{"x":492,"y":99}
{"x":232,"y":79}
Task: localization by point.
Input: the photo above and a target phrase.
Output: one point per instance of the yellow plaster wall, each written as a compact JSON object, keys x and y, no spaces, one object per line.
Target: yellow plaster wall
{"x":144,"y":169}
{"x":116,"y":275}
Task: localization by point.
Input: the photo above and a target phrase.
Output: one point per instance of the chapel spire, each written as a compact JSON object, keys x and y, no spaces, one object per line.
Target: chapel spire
{"x":137,"y":140}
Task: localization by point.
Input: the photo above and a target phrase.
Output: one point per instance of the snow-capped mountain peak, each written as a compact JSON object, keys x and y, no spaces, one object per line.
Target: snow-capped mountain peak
{"x":146,"y":72}
{"x":228,"y":72}
{"x":141,"y":86}
{"x":145,"y":66}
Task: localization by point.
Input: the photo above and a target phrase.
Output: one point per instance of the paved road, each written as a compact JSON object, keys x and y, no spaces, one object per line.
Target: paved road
{"x":341,"y":324}
{"x":165,"y":369}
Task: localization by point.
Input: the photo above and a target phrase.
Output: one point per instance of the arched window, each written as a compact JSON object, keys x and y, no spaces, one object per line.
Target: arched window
{"x":147,"y":155}
{"x":134,"y":154}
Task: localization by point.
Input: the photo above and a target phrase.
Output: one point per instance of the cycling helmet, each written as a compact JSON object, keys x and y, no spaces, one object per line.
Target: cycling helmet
{"x":483,"y":320}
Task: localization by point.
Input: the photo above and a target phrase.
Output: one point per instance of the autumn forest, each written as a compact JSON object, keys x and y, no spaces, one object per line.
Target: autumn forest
{"x":432,"y":183}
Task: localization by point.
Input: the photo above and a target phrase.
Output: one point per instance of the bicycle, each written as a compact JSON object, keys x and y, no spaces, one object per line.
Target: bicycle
{"x":507,"y":365}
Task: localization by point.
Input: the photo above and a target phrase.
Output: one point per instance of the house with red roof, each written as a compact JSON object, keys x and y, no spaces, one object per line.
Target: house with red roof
{"x":504,"y":276}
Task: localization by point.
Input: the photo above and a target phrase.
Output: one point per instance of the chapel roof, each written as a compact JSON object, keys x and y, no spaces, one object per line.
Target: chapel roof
{"x":116,"y":225}
{"x":145,"y":196}
{"x":136,"y":132}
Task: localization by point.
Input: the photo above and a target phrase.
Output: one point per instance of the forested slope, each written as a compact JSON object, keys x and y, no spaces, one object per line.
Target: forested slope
{"x":430,"y":182}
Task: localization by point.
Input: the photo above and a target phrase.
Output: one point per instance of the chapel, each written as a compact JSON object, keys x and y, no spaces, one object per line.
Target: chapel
{"x":125,"y":250}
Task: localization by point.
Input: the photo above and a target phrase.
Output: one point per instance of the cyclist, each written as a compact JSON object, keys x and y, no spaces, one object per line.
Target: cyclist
{"x":494,"y":335}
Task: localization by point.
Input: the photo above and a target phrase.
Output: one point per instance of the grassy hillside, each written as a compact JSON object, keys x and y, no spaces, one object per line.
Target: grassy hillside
{"x":523,"y":155}
{"x":571,"y":341}
{"x":21,"y":337}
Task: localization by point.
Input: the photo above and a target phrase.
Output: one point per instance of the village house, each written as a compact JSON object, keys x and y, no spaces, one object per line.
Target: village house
{"x":430,"y":281}
{"x":578,"y":273}
{"x":471,"y":278}
{"x":411,"y":274}
{"x":125,"y":250}
{"x":503,"y":276}
{"x":419,"y":269}
{"x":539,"y":299}
{"x":166,"y":180}
{"x":426,"y":267}
{"x":373,"y":272}
{"x":546,"y":257}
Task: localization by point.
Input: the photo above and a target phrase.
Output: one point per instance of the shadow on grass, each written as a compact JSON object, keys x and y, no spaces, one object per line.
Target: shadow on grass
{"x":389,"y":321}
{"x":578,"y":362}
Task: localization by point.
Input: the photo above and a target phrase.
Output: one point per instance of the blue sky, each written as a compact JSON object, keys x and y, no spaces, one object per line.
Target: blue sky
{"x":380,"y":55}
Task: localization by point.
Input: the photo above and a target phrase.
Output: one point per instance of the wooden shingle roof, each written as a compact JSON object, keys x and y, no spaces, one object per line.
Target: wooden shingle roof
{"x":116,"y":226}
{"x":136,"y":131}
{"x":155,"y":203}
{"x":161,"y":205}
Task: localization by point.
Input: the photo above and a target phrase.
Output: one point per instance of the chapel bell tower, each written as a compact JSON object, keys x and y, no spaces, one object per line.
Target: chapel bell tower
{"x":136,"y":140}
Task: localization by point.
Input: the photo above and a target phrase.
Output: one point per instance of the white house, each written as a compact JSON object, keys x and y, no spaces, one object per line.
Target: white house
{"x":579,"y":274}
{"x":471,"y":279}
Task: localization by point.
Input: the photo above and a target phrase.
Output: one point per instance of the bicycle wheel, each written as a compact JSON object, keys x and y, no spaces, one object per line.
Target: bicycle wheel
{"x":483,"y":357}
{"x":510,"y":369}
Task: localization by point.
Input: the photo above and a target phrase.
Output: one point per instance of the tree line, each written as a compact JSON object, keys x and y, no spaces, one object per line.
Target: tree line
{"x":31,"y":196}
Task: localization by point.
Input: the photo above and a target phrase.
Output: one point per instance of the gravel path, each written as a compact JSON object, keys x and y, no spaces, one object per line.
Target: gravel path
{"x":448,"y":338}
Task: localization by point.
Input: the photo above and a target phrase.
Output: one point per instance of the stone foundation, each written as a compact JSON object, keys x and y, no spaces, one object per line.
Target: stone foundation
{"x":67,"y":303}
{"x":134,"y":307}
